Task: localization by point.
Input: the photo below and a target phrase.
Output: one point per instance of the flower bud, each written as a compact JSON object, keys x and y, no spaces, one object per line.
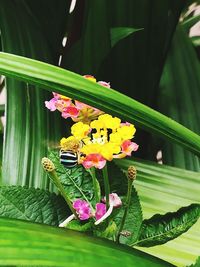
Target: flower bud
{"x":48,"y":165}
{"x":132,"y":172}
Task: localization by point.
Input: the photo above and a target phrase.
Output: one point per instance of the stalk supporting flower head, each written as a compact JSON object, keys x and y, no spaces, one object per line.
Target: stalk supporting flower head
{"x":50,"y":168}
{"x":131,"y":177}
{"x":68,"y":220}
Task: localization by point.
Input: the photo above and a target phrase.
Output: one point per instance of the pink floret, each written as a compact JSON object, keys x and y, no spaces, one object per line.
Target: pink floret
{"x":100,"y":210}
{"x":82,"y":208}
{"x":94,"y":160}
{"x":51,"y":104}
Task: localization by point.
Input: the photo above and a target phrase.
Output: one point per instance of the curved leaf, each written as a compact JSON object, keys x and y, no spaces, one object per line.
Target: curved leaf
{"x":48,"y":246}
{"x":119,"y":33}
{"x":162,"y":228}
{"x":35,"y":205}
{"x":113,"y":102}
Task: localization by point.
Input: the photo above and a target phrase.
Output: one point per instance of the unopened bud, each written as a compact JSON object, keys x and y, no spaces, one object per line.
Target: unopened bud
{"x":132,"y":172}
{"x":48,"y":165}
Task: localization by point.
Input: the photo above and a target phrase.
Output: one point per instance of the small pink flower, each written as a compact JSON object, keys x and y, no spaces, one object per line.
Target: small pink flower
{"x":61,"y":104}
{"x":94,"y":160}
{"x":82,"y":209}
{"x":100,"y":210}
{"x":70,"y":112}
{"x":114,"y":200}
{"x":51,"y":104}
{"x":128,"y":147}
{"x":56,"y":95}
{"x":81,"y":105}
{"x":105,"y":84}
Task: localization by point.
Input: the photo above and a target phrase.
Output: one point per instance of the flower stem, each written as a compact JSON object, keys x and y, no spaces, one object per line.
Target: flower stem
{"x":53,"y":176}
{"x":96,"y":186}
{"x":127,"y":204}
{"x":106,"y":185}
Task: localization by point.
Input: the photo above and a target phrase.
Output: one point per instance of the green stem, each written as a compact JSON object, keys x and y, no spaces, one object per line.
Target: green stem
{"x":96,"y":186}
{"x":127,"y":204}
{"x":53,"y":176}
{"x":106,"y":185}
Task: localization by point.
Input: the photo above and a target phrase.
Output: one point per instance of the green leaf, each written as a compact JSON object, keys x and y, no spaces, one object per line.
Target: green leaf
{"x":48,"y":246}
{"x":119,"y":33}
{"x":35,"y":205}
{"x":77,"y":182}
{"x":80,"y":226}
{"x":191,"y":21}
{"x":133,"y":220}
{"x":27,"y":130}
{"x":162,"y":189}
{"x":181,"y":73}
{"x":162,"y":228}
{"x":197,"y":263}
{"x":60,"y":80}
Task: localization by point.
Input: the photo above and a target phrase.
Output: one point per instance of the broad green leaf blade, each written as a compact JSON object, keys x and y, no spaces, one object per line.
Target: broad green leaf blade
{"x":60,"y":80}
{"x":77,"y":182}
{"x":179,"y":96}
{"x":162,"y":189}
{"x":47,"y":246}
{"x":119,"y":33}
{"x":28,"y":126}
{"x":162,"y":228}
{"x":35,"y":205}
{"x":133,"y":220}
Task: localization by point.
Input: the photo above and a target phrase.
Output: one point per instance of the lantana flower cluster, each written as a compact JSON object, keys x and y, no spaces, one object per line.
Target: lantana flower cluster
{"x":74,"y":109}
{"x":102,"y":140}
{"x":95,"y":138}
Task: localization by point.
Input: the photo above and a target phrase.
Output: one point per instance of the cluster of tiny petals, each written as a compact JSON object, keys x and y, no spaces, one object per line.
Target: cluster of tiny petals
{"x":74,"y":109}
{"x":82,"y":208}
{"x":103,"y":139}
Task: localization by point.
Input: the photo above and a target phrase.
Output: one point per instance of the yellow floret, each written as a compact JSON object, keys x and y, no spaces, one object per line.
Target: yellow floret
{"x":80,"y":130}
{"x":115,"y":138}
{"x":126,"y":132}
{"x":64,"y":141}
{"x":109,"y":121}
{"x":109,"y":149}
{"x":91,"y":149}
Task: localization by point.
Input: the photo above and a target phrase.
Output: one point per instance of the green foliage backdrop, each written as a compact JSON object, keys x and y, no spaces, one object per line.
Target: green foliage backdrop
{"x":156,"y":65}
